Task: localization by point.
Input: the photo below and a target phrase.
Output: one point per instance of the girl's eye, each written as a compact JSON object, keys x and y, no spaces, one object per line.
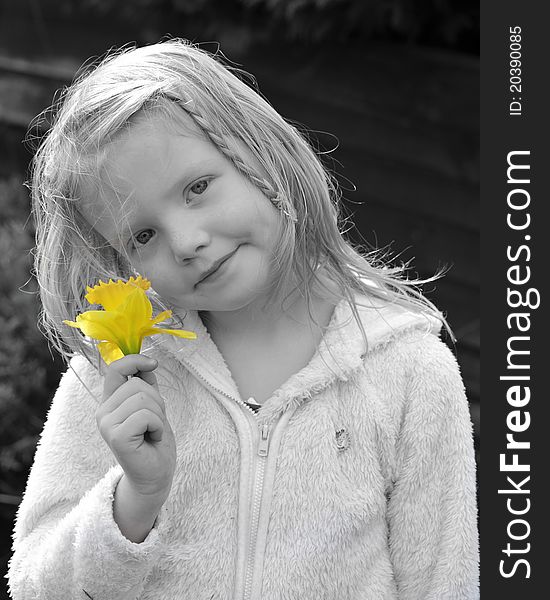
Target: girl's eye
{"x":144,"y":236}
{"x":199,"y":187}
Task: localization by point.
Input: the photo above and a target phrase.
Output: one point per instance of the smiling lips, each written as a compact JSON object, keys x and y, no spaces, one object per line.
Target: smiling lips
{"x":215,"y":266}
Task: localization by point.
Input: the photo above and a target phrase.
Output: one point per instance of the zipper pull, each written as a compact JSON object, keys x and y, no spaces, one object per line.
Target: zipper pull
{"x":264,"y":440}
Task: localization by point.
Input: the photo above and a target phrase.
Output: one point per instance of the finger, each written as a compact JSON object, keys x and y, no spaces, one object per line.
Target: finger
{"x":132,"y":404}
{"x":135,"y":426}
{"x":132,"y":396}
{"x":117,"y":372}
{"x":148,"y":377}
{"x":132,"y":386}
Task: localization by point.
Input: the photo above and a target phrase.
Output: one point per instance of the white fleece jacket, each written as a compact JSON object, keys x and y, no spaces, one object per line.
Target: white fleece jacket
{"x":354,"y":481}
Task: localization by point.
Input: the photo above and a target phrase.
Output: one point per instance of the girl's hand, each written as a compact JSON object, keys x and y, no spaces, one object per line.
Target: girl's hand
{"x":132,"y":420}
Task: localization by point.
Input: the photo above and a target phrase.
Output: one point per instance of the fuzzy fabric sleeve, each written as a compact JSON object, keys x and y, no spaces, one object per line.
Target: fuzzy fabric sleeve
{"x":66,"y":542}
{"x":432,"y":508}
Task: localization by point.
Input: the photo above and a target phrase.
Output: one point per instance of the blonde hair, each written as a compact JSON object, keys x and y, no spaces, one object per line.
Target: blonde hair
{"x":102,"y":102}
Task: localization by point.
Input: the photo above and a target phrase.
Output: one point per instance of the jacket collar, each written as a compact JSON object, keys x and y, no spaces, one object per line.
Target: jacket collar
{"x":342,"y":350}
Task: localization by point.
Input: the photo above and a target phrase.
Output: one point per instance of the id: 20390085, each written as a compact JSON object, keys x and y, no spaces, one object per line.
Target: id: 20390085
{"x":515,"y":70}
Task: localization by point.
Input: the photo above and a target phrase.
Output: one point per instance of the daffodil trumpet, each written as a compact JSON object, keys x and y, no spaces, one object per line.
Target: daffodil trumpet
{"x":127,"y":318}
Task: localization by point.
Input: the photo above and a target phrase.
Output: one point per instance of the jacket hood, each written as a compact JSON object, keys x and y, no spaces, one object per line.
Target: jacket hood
{"x":341,"y":351}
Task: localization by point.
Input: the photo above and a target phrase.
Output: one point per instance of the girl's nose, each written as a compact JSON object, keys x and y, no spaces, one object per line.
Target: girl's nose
{"x":186,"y":243}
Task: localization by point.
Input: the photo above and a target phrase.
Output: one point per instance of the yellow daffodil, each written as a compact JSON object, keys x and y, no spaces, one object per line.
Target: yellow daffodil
{"x":126,"y":319}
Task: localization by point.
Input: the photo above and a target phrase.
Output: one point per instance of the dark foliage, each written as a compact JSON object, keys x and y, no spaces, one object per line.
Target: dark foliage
{"x":449,"y":24}
{"x":28,"y":372}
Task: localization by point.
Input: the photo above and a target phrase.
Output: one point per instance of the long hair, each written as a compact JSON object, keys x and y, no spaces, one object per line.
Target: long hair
{"x":176,"y":75}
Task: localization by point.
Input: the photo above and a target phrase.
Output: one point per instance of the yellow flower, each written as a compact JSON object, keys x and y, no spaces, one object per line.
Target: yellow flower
{"x":126,"y":320}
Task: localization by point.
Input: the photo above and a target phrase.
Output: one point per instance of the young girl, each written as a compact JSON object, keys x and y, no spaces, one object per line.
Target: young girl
{"x":313,"y":442}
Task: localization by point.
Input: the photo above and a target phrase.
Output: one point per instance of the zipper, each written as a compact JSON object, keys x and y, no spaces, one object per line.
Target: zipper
{"x":222,"y":392}
{"x":263,"y":448}
{"x":263,"y":445}
{"x":259,"y":472}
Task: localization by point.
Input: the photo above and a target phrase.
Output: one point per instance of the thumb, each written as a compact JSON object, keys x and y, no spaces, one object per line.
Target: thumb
{"x":118,"y":372}
{"x":149,"y":377}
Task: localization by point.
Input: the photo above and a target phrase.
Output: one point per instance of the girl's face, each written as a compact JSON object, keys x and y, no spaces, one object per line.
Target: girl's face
{"x":188,"y":220}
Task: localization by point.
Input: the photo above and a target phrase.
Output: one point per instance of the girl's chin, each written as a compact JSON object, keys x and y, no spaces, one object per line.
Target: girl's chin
{"x":206,"y":304}
{"x":226,"y":302}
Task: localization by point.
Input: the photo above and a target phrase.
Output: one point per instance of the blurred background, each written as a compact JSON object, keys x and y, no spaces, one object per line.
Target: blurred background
{"x":389,"y":90}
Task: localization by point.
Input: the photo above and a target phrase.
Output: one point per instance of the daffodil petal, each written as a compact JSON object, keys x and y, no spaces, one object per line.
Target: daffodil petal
{"x":96,"y":324}
{"x":163,"y":316}
{"x":109,"y":326}
{"x":72,"y":324}
{"x":113,"y":294}
{"x":138,"y":309}
{"x":182,"y":333}
{"x":109,"y":352}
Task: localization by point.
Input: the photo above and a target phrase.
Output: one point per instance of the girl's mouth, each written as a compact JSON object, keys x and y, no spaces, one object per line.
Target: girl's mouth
{"x":213,"y":271}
